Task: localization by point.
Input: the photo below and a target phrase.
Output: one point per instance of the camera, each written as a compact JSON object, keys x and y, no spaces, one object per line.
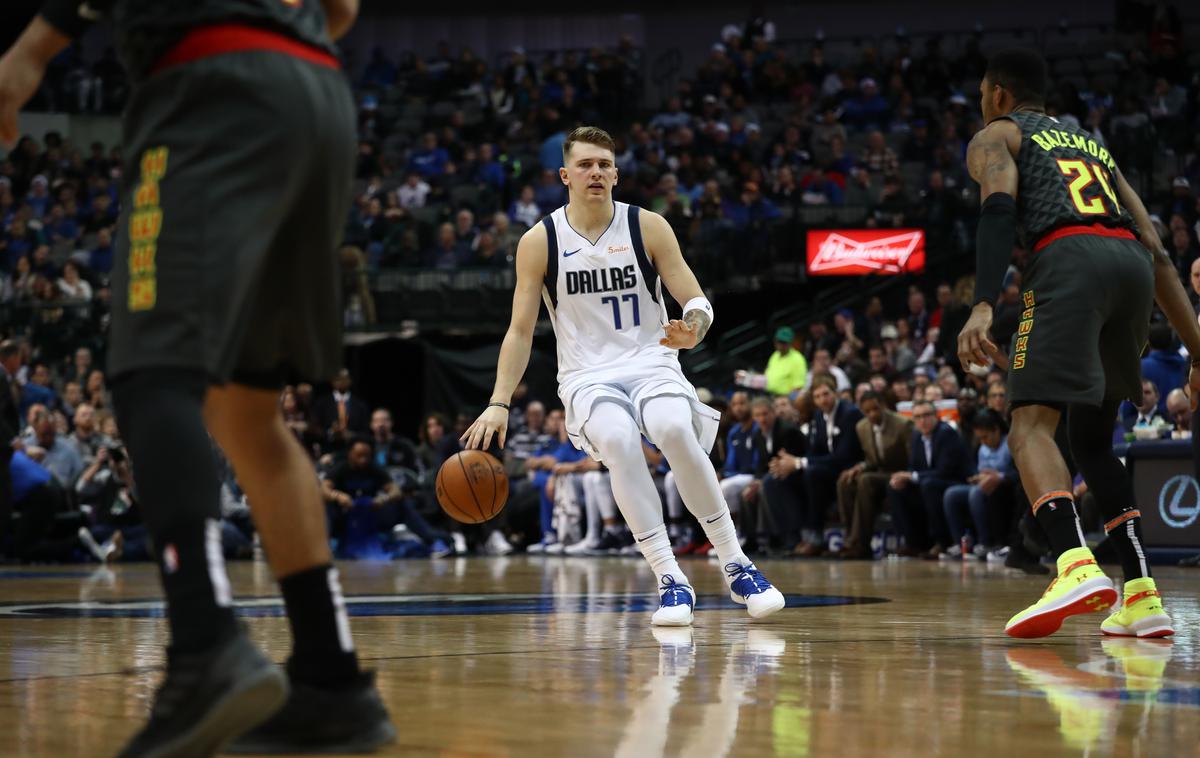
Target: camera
{"x":116,"y":452}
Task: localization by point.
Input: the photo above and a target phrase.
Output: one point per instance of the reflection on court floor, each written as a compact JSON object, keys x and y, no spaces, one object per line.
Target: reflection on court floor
{"x":528,"y":657}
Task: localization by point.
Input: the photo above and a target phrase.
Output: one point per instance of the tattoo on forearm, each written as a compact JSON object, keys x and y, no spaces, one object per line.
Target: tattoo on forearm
{"x":698,"y":320}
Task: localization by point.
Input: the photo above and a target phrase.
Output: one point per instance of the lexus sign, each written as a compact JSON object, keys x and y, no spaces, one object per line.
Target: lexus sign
{"x":853,"y":252}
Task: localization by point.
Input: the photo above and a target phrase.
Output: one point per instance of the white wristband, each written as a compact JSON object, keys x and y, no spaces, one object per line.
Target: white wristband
{"x":700,"y":304}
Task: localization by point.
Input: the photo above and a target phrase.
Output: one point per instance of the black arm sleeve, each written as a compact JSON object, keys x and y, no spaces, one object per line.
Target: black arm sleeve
{"x":71,"y":17}
{"x":994,"y":241}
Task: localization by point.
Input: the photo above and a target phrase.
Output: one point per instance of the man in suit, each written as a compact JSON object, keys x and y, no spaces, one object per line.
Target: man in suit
{"x":937,"y":459}
{"x":885,"y":438}
{"x":805,"y":487}
{"x":775,"y":435}
{"x":1145,"y":414}
{"x":340,"y":415}
{"x":10,"y":426}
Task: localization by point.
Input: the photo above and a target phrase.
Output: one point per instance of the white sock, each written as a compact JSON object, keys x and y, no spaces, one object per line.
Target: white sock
{"x":656,"y":548}
{"x":723,"y":536}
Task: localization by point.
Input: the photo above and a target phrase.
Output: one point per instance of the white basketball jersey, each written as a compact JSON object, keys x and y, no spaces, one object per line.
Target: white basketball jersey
{"x":605,"y":299}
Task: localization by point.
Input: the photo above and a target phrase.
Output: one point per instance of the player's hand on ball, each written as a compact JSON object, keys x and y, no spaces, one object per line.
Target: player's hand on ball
{"x":679,"y":335}
{"x":492,"y":422}
{"x":975,"y":346}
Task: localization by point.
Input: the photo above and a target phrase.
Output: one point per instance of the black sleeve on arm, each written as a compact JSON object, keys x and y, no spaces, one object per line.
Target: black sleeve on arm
{"x":66,"y":16}
{"x":994,"y":241}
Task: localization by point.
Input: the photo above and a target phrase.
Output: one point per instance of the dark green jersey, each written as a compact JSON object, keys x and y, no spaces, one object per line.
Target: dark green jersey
{"x":1066,"y":179}
{"x":146,"y":29}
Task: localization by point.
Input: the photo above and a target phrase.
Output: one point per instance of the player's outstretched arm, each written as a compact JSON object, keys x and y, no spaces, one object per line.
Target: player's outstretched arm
{"x":339,"y":16}
{"x":990,"y":161}
{"x":664,"y":251}
{"x":514,"y":351}
{"x":22,"y":68}
{"x":1168,"y":289}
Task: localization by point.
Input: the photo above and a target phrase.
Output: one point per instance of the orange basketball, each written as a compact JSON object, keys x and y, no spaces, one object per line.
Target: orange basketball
{"x":472,"y":486}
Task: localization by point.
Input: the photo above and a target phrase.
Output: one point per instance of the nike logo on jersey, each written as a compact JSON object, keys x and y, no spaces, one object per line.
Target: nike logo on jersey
{"x":710,"y":520}
{"x":568,"y":255}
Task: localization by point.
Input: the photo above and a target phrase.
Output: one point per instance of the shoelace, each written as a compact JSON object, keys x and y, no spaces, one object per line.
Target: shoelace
{"x":742,"y":574}
{"x":674,"y":593}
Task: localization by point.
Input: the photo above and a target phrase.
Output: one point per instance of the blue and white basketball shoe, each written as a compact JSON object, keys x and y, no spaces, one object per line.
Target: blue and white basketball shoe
{"x":748,"y":587}
{"x":676,"y":603}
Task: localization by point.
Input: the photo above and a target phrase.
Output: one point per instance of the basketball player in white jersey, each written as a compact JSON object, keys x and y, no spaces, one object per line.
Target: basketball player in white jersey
{"x":597,"y":265}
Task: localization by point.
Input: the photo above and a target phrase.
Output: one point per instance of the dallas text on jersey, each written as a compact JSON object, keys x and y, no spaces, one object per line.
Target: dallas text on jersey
{"x":601,"y":280}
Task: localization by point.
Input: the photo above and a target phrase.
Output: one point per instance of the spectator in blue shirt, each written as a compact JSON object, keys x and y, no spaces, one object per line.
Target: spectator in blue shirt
{"x":489,"y":171}
{"x":550,"y":194}
{"x":751,"y":210}
{"x":21,"y":242}
{"x":56,"y":454}
{"x":429,"y":160}
{"x":741,"y":457}
{"x":525,"y":210}
{"x":544,"y":464}
{"x":819,"y":188}
{"x":550,"y":153}
{"x":1164,"y":365}
{"x":38,"y":390}
{"x":60,"y":227}
{"x":987,"y":497}
{"x":868,"y":109}
{"x":38,"y":198}
{"x":100,"y":259}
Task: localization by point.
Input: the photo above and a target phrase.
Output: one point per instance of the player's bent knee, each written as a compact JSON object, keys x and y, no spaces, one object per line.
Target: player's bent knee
{"x":671,"y":434}
{"x":615,"y":441}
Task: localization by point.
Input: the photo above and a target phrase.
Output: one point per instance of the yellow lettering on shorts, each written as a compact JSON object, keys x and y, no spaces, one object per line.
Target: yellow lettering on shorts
{"x":145,"y":224}
{"x":1024,"y":327}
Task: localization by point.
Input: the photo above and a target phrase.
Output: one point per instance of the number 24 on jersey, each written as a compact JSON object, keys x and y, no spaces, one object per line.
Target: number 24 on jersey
{"x":1081,"y":175}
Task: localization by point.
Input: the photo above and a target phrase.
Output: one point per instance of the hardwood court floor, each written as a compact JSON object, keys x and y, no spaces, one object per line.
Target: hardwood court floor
{"x":556,"y":657}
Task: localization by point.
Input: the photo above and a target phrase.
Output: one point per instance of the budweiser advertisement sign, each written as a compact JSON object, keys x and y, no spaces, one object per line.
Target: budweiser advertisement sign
{"x":853,"y":252}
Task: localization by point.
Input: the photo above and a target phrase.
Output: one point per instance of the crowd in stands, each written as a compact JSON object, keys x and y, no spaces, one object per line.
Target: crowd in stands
{"x":861,"y":414}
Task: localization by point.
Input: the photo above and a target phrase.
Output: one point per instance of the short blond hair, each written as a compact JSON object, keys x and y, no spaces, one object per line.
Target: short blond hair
{"x":591,"y":135}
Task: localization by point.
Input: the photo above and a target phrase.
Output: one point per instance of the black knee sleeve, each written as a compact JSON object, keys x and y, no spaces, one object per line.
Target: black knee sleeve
{"x":1090,"y":432}
{"x":160,"y":417}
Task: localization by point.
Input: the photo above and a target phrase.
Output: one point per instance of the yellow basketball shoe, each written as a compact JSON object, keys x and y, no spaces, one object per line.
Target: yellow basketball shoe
{"x":1080,"y":587}
{"x":1141,"y":615}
